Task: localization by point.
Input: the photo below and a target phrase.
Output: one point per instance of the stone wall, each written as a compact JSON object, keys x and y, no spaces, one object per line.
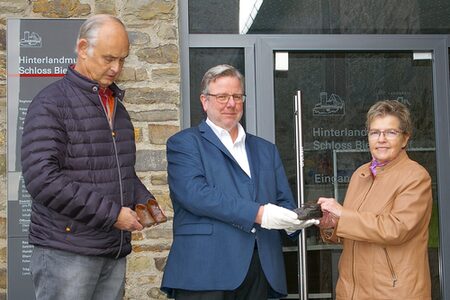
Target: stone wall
{"x":151,"y":77}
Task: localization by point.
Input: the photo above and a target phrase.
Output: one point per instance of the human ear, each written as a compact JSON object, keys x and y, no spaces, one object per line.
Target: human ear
{"x":204,"y":101}
{"x":405,"y":141}
{"x":82,"y":48}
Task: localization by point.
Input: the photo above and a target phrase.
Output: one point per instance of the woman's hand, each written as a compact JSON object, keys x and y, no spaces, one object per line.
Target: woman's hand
{"x":327,"y":220}
{"x":331,"y":210}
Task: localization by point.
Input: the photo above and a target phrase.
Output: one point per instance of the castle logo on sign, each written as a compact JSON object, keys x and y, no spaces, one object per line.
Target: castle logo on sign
{"x":329,"y":106}
{"x":400,"y":96}
{"x":30,"y":40}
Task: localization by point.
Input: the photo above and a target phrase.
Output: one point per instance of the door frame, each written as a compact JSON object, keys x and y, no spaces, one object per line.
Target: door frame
{"x":259,"y":108}
{"x":437,"y":44}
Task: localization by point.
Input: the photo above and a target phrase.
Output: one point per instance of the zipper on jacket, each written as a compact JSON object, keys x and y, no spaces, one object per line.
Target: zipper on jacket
{"x":120,"y":187}
{"x":391,"y":268}
{"x":354,"y":244}
{"x":353,"y":271}
{"x":113,"y":136}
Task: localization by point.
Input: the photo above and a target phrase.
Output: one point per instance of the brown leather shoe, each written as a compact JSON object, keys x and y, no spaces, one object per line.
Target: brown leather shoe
{"x":156,"y":211}
{"x":309,"y":211}
{"x":145,"y":218}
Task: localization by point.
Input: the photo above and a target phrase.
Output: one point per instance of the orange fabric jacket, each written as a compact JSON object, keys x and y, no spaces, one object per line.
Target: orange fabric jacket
{"x":384,"y":231}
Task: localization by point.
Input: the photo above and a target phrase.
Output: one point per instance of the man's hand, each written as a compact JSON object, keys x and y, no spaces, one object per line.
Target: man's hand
{"x":302,"y":225}
{"x":128,"y":220}
{"x":277,"y":217}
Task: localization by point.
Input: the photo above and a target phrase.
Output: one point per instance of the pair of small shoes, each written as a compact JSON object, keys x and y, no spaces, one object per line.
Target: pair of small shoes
{"x":150,"y":214}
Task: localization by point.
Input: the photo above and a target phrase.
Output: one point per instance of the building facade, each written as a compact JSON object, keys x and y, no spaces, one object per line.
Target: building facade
{"x":335,"y":57}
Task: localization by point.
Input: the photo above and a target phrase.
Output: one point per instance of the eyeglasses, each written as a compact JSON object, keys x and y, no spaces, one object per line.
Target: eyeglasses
{"x":224,"y":98}
{"x":389,"y":134}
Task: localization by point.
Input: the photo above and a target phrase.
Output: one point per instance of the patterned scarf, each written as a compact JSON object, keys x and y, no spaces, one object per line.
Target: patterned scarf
{"x":374,"y":164}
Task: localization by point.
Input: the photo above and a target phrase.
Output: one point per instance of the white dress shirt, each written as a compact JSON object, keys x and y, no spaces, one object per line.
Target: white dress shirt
{"x":237,"y":149}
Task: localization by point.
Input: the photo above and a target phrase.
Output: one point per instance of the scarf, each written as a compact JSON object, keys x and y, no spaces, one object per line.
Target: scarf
{"x":374,"y":165}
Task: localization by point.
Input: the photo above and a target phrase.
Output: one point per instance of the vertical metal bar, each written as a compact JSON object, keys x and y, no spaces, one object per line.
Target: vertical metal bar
{"x":250,"y":89}
{"x":441,"y":97}
{"x":302,"y":280}
{"x":335,"y":174}
{"x":184,"y":37}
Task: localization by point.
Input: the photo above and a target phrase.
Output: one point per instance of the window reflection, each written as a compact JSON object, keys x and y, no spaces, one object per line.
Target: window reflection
{"x":319,"y":17}
{"x":337,"y":90}
{"x":200,"y":60}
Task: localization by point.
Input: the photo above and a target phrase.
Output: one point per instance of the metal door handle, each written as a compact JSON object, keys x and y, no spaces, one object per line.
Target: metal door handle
{"x":302,"y":280}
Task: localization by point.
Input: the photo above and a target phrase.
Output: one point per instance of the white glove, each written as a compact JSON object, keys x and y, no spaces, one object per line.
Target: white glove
{"x":277,"y":217}
{"x":302,"y":225}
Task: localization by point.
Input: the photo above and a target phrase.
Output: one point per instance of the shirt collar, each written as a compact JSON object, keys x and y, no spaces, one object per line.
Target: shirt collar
{"x":105,"y":92}
{"x":223,"y":133}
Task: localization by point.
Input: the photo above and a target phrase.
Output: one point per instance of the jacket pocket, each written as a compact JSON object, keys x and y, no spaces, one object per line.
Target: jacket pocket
{"x":391,"y":267}
{"x":194,"y":228}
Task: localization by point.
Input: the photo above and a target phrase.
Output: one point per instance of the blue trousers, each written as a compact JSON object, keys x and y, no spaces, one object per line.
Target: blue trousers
{"x":64,"y":275}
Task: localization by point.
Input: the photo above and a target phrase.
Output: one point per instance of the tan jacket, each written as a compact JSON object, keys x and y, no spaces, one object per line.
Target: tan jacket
{"x":384,"y":231}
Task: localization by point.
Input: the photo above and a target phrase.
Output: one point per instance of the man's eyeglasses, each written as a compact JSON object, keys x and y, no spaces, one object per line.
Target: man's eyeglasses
{"x":389,"y":134}
{"x":224,"y":98}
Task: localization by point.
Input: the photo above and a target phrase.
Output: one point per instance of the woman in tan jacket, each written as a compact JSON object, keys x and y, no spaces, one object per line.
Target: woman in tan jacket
{"x":383,"y":224}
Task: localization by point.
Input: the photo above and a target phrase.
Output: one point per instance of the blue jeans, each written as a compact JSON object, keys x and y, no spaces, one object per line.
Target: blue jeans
{"x":64,"y":275}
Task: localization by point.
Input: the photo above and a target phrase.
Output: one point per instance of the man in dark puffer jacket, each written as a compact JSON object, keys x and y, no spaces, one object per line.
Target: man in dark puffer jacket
{"x":78,"y":156}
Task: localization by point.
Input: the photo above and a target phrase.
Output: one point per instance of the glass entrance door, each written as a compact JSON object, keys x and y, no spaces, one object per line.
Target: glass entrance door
{"x":337,"y":89}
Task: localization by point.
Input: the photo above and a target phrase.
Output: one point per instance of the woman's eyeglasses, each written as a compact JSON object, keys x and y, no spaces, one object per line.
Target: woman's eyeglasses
{"x":389,"y":134}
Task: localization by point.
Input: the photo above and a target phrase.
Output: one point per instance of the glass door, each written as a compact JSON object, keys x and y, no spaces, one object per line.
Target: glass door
{"x":339,"y":78}
{"x":337,"y":87}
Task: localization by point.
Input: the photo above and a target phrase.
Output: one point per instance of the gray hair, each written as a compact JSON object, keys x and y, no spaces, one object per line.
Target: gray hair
{"x":220,"y":71}
{"x":90,"y":28}
{"x":391,"y":108}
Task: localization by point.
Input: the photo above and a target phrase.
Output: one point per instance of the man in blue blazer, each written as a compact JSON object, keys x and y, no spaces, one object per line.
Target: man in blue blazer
{"x":230,"y":198}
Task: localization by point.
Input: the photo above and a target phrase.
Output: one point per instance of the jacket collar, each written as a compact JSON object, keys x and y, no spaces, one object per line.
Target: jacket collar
{"x":90,"y":86}
{"x":402,"y":156}
{"x":253,"y":158}
{"x":384,"y":169}
{"x":209,"y":135}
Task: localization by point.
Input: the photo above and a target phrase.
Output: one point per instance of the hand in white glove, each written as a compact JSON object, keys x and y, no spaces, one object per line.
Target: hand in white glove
{"x":302,"y":225}
{"x":277,"y":217}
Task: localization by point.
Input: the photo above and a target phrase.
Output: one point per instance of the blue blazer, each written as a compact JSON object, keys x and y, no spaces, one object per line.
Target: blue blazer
{"x":215,"y":205}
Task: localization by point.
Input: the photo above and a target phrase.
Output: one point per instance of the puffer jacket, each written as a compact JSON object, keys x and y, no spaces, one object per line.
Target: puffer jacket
{"x":384,"y":230}
{"x":78,"y":169}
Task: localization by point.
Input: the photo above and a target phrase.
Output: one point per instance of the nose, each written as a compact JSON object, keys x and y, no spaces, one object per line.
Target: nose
{"x":116,"y":66}
{"x":382,"y":136}
{"x":231,"y":102}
